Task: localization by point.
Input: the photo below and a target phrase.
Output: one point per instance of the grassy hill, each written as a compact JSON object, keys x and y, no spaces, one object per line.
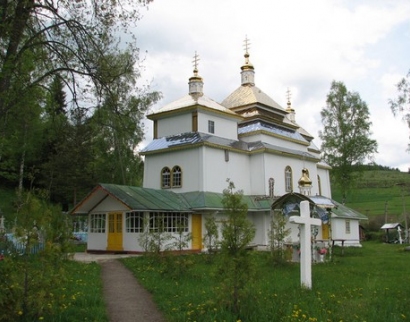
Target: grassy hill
{"x":374,"y":190}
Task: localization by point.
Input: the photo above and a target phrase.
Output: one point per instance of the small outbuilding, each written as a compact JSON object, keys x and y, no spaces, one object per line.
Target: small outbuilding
{"x":390,"y":236}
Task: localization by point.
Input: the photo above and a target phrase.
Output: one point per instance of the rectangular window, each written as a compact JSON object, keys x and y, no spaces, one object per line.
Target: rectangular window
{"x":288,"y":181}
{"x":97,"y":223}
{"x":195,"y":122}
{"x":226,"y":155}
{"x":155,"y":129}
{"x":211,"y":126}
{"x":134,"y":222}
{"x":347,"y":226}
{"x":168,"y":222}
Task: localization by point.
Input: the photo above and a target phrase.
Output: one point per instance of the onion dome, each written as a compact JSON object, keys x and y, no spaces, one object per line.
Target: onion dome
{"x":248,"y":72}
{"x":196,"y":84}
{"x":304,"y":179}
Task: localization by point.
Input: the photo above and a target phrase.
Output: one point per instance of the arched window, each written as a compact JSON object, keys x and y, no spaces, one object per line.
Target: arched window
{"x":176,"y":177}
{"x":319,"y":184}
{"x":288,"y":179}
{"x":271,"y":187}
{"x":165,"y":178}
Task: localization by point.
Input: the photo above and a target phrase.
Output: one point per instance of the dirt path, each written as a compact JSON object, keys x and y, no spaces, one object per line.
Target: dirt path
{"x":126,"y":299}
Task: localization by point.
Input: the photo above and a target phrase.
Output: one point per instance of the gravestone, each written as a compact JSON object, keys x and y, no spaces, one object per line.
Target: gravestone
{"x":305,"y":223}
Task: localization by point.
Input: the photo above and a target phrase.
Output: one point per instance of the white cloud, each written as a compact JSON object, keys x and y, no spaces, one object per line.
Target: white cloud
{"x":303,"y":45}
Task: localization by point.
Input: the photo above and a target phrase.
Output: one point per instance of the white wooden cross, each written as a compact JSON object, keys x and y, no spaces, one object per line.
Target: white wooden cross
{"x":305,"y":223}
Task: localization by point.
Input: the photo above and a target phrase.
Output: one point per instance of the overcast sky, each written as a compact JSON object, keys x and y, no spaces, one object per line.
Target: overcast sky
{"x":296,"y":44}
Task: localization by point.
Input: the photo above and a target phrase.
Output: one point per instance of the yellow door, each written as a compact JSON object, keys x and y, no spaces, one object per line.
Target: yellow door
{"x":114,"y":231}
{"x":325,"y":231}
{"x":196,"y":232}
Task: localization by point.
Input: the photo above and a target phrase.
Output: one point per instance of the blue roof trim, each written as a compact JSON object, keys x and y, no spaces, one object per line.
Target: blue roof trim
{"x":191,"y":138}
{"x":271,"y":128}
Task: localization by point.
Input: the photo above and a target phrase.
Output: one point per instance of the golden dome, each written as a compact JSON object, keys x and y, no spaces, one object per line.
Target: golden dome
{"x":304,"y":179}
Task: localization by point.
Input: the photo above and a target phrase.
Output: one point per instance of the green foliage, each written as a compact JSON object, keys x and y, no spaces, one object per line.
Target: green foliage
{"x":211,"y":236}
{"x":401,"y":104}
{"x":32,"y":268}
{"x":277,"y":236}
{"x":155,"y":239}
{"x":181,"y":239}
{"x":235,"y":270}
{"x":346,"y":132}
{"x":70,"y":47}
{"x":366,"y":284}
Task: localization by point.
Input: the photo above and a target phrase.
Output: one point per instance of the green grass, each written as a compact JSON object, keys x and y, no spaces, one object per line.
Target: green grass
{"x":77,"y":296}
{"x":83,"y":294}
{"x":374,"y":189}
{"x":366,"y":284}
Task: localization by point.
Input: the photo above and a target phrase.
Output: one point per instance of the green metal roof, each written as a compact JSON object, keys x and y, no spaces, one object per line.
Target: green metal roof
{"x":138,"y":198}
{"x":341,"y":211}
{"x":213,"y":200}
{"x":146,"y":199}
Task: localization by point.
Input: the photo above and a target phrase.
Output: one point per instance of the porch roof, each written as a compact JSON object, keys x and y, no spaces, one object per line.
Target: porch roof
{"x":145,"y":199}
{"x":323,"y":206}
{"x":134,"y":198}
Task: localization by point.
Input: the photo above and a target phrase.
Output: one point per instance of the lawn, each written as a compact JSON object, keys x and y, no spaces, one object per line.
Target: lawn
{"x":365,"y":284}
{"x":76,"y":297}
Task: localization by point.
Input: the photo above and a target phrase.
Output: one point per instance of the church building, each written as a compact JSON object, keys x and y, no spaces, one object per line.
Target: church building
{"x":199,"y":144}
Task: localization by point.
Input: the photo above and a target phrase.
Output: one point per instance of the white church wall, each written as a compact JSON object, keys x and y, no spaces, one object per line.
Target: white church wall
{"x":179,"y":123}
{"x":275,"y":166}
{"x":259,"y":221}
{"x":258,"y":176}
{"x":223,"y":127}
{"x":97,"y":241}
{"x":190,"y":162}
{"x":217,"y":170}
{"x":131,"y":243}
{"x":324,"y":182}
{"x":109,"y":205}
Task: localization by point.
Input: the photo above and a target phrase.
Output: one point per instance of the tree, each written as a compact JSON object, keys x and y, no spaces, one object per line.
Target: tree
{"x":235,"y":266}
{"x":117,"y":124}
{"x":277,"y":235}
{"x":68,"y":47}
{"x":32,"y":271}
{"x":211,"y":236}
{"x":401,"y":105}
{"x":71,"y":38}
{"x":345,"y":137}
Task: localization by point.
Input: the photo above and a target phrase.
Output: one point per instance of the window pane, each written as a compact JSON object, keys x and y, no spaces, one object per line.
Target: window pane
{"x":166,"y":178}
{"x":97,"y":223}
{"x":211,"y":127}
{"x":176,"y":177}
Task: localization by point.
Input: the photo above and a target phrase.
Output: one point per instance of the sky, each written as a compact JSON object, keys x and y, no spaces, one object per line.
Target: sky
{"x":294,"y":44}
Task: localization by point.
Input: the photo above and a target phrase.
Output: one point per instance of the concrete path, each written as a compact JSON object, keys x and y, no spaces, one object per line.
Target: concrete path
{"x":89,"y":258}
{"x":125,"y":298}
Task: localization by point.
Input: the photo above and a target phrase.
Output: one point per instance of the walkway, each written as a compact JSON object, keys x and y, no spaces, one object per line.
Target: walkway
{"x":126,"y":299}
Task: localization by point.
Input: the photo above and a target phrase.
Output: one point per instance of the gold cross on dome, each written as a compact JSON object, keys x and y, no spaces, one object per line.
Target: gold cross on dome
{"x":246,"y":44}
{"x":195,"y":61}
{"x":288,"y":94}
